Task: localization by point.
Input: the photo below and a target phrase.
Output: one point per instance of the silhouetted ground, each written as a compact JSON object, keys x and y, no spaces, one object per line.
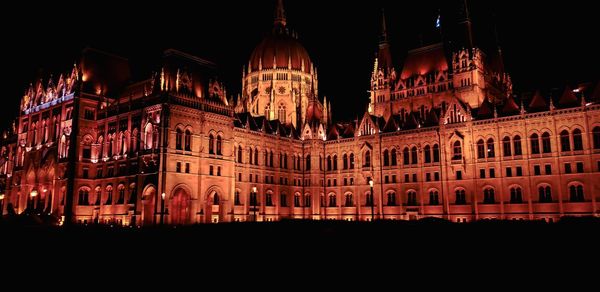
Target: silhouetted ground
{"x":317,"y":246}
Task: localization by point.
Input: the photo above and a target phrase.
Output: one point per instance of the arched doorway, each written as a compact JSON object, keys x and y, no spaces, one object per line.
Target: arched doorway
{"x":214,"y":202}
{"x":148,"y":199}
{"x":179,"y":210}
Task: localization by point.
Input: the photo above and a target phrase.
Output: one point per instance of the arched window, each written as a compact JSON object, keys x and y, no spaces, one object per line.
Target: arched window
{"x":281,"y":114}
{"x":351,"y":160}
{"x":335,"y":162}
{"x":480,"y":149}
{"x":391,"y":199}
{"x":411,"y":199}
{"x":111,"y":142}
{"x":84,"y":194}
{"x":386,"y":158}
{"x":345,"y":162}
{"x":367,"y":159}
{"x":308,"y":162}
{"x":332,"y":200}
{"x":565,"y":144}
{"x":307,"y":201}
{"x":596,"y":137}
{"x":506,"y":147}
{"x":460,"y":197}
{"x":239,"y":154}
{"x":490,"y":148}
{"x":546,"y":147}
{"x":188,"y":140}
{"x":577,"y":140}
{"x":285,"y":161}
{"x":109,"y":195}
{"x":250,"y":155}
{"x":211,"y":144}
{"x":271,"y":158}
{"x":121,"y":195}
{"x":406,"y":156}
{"x":545,"y":194}
{"x":369,"y":199}
{"x":219,"y":145}
{"x":98,"y":195}
{"x":148,"y":136}
{"x":516,"y":196}
{"x":576,"y":193}
{"x":436,"y":153}
{"x":535,"y":144}
{"x":297,"y":202}
{"x":179,"y":139}
{"x":457,"y":151}
{"x":427,"y":153}
{"x":414,"y":156}
{"x":489,"y":196}
{"x":394,"y":159}
{"x":328,"y":163}
{"x":349,"y":201}
{"x":517,"y":145}
{"x":255,"y":156}
{"x":434,"y":198}
{"x":236,"y":199}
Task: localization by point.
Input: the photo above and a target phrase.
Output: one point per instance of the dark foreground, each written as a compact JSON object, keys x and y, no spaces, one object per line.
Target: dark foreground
{"x":318,"y":246}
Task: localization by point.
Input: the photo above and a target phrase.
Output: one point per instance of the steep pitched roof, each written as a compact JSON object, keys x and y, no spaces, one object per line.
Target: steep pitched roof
{"x":510,"y":107}
{"x":568,"y":98}
{"x":538,"y":102}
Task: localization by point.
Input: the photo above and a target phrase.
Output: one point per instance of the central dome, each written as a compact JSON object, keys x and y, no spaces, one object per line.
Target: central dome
{"x":282,"y":49}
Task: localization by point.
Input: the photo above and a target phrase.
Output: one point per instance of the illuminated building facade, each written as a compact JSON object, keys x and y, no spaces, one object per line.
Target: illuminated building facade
{"x":442,"y":137}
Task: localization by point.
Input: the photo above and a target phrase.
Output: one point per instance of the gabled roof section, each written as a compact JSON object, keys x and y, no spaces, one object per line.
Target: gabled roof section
{"x":510,"y":107}
{"x":568,"y":98}
{"x":538,"y":102}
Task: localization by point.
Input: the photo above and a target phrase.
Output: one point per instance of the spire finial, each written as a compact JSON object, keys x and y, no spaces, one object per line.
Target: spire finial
{"x":280,"y":20}
{"x":384,"y":36}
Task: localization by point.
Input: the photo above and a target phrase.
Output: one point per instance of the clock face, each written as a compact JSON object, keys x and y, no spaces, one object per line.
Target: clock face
{"x":281,"y":90}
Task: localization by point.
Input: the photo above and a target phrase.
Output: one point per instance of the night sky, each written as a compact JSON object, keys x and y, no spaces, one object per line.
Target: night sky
{"x":545,"y":44}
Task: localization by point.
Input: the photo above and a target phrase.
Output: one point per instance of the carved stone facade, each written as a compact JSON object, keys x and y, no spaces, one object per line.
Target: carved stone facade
{"x":440,"y":139}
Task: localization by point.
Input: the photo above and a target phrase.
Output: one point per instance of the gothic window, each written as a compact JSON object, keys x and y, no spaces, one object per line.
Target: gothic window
{"x":506,"y":146}
{"x":307,"y":201}
{"x":351,"y":160}
{"x":121,"y":195}
{"x":256,"y":156}
{"x":148,"y":136}
{"x":414,"y":156}
{"x":411,"y":199}
{"x":434,"y":198}
{"x":335,"y":162}
{"x":460,"y":197}
{"x":406,"y":156}
{"x":332,"y":200}
{"x":517,"y":146}
{"x":345,"y":162}
{"x":480,"y":149}
{"x":545,"y":194}
{"x":308,"y":162}
{"x":219,"y":145}
{"x":535,"y":144}
{"x":427,"y":154}
{"x":546,"y":148}
{"x":83,"y":197}
{"x":179,"y":139}
{"x":596,"y":137}
{"x":109,"y":195}
{"x":490,"y":148}
{"x":367,"y":159}
{"x":328,"y":163}
{"x":297,"y":200}
{"x":394,"y":159}
{"x":239,"y":154}
{"x":349,"y":202}
{"x":391,"y":199}
{"x":436,"y":153}
{"x":282,"y":114}
{"x":565,"y":144}
{"x":457,"y":151}
{"x":488,"y":196}
{"x":386,"y":158}
{"x":576,"y":193}
{"x":516,"y":196}
{"x":577,"y":140}
{"x":188,"y":140}
{"x":211,"y":144}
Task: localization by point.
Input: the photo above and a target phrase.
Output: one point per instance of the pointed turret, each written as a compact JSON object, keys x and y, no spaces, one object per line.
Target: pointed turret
{"x":466,"y":25}
{"x":384,"y":56}
{"x":280,"y":19}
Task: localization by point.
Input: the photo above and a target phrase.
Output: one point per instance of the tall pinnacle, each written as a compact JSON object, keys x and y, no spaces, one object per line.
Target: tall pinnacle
{"x":467,"y":25}
{"x":384,"y":36}
{"x":280,"y":20}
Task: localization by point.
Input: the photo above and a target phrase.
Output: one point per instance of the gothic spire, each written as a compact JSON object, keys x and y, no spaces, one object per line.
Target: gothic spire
{"x":280,"y":20}
{"x":384,"y":36}
{"x":465,"y":22}
{"x":384,"y":56}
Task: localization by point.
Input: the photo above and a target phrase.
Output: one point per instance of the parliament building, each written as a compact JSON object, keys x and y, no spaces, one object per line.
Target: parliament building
{"x":443,"y":136}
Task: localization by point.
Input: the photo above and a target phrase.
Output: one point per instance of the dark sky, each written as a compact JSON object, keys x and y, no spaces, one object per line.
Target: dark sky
{"x":546,"y":43}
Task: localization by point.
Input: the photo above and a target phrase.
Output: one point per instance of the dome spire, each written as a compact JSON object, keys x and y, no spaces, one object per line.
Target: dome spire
{"x":280,"y":20}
